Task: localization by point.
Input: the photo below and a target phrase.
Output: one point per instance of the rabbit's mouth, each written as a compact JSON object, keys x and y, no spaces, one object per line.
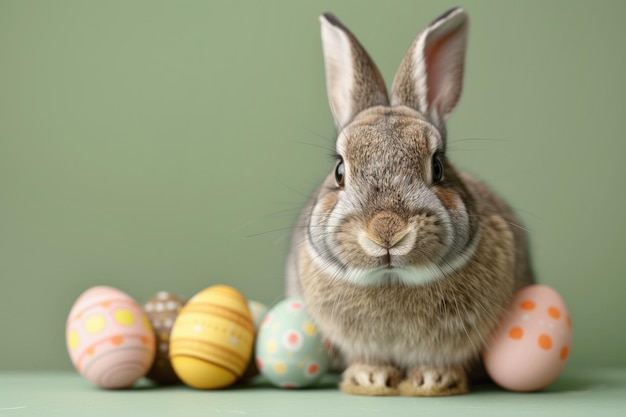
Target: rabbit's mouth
{"x":388,"y":261}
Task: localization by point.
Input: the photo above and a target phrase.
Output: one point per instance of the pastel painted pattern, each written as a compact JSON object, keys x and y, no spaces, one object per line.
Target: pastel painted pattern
{"x":109,"y":339}
{"x":531,"y":346}
{"x":290,"y":352}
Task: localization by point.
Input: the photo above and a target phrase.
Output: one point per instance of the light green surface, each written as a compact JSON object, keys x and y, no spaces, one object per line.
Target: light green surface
{"x":157,"y":145}
{"x":594,"y":392}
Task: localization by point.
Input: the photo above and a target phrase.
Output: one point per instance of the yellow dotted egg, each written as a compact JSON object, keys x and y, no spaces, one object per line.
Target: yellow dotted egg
{"x":146,"y":322}
{"x":73,"y":340}
{"x":280,"y":368}
{"x":289,"y":349}
{"x":309,"y":328}
{"x":272,"y":346}
{"x":105,"y":340}
{"x":212,"y":338}
{"x":125,"y":317}
{"x":95,"y":324}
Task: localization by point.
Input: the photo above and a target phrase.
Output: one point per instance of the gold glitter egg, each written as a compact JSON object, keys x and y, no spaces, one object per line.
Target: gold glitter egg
{"x":212,"y":338}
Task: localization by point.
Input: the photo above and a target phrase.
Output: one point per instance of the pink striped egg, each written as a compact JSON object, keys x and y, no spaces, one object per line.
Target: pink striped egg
{"x":109,"y":339}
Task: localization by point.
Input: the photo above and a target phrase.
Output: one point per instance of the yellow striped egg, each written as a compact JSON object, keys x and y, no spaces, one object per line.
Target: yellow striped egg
{"x":212,"y":338}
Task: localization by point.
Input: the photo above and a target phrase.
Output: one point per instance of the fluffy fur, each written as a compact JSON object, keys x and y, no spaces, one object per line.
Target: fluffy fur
{"x":406,"y":274}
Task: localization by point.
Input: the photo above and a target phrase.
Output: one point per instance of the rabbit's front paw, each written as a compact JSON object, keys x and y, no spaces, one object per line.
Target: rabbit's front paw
{"x":364,"y":379}
{"x":425,"y":381}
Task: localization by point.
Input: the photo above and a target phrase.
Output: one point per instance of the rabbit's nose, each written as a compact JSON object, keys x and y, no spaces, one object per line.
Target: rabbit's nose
{"x":386,"y":231}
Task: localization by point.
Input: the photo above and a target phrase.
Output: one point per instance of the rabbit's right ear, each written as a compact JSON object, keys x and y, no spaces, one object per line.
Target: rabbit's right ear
{"x":352,"y":79}
{"x":430,"y":77}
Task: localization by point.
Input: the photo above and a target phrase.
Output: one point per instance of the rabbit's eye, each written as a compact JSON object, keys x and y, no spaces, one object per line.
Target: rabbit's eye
{"x":437,"y":168}
{"x":340,"y":173}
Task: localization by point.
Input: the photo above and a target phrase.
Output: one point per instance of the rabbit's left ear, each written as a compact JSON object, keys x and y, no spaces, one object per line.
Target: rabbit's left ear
{"x":352,"y":79}
{"x":430,"y":77}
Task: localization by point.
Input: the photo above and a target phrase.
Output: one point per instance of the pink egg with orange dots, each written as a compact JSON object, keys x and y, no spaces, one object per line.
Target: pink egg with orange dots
{"x":529,"y":349}
{"x":109,"y":339}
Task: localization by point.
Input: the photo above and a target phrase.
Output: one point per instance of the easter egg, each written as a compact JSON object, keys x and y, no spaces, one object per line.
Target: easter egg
{"x":290,"y":351}
{"x":529,"y":349}
{"x":162,"y":310}
{"x":109,"y":339}
{"x":212,"y":339}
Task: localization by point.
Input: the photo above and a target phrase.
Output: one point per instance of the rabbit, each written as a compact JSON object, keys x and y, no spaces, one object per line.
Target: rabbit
{"x":405,"y":263}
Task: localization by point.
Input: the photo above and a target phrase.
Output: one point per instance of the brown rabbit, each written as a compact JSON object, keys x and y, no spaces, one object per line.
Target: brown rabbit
{"x":405,"y":263}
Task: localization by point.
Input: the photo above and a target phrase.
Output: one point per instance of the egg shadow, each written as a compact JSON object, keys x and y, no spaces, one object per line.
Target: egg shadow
{"x":146,"y":385}
{"x":565,"y":384}
{"x":571,"y":383}
{"x":327,"y":382}
{"x":591,"y":379}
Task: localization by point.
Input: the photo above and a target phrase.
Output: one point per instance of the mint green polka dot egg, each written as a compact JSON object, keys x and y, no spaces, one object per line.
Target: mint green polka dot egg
{"x":290,"y":351}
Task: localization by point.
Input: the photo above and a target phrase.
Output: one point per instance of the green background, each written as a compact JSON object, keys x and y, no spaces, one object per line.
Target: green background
{"x":154,"y":145}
